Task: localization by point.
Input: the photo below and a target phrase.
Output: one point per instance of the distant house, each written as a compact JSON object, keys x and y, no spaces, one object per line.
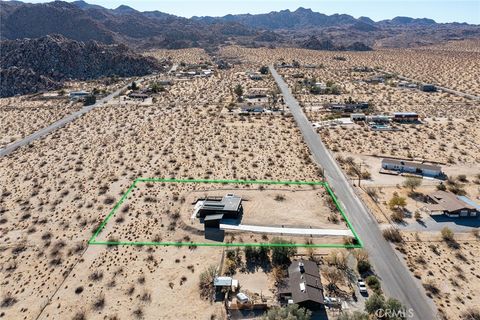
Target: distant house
{"x":229,"y":206}
{"x":255,"y":76}
{"x":165,"y":82}
{"x":256,"y":93}
{"x":252,"y":109}
{"x":347,"y":107}
{"x":401,"y":166}
{"x":137,"y":95}
{"x":362,"y":69}
{"x":428,"y":87}
{"x":378,"y":118}
{"x":303,"y":286}
{"x":76,"y":95}
{"x":298,"y":75}
{"x":376,"y":80}
{"x":446,"y":203}
{"x":405,"y":117}
{"x":358,"y":117}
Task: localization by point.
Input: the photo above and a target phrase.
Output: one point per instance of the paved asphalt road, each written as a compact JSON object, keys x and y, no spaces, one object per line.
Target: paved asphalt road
{"x":58,"y":124}
{"x":396,"y":279}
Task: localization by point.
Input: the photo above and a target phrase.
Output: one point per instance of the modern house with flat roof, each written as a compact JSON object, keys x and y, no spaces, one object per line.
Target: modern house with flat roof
{"x":451,"y":205}
{"x":402,"y":166}
{"x":229,"y":207}
{"x":304,"y":286}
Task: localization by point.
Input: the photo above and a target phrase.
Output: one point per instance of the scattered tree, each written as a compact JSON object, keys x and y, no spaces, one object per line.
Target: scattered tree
{"x":264,"y":70}
{"x":89,"y":100}
{"x":412,"y":183}
{"x":374,"y":303}
{"x":238,"y":91}
{"x":281,"y":254}
{"x":397,"y":202}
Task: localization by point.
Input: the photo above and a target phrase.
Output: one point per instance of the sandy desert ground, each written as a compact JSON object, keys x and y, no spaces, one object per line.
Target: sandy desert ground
{"x":449,"y":275}
{"x":21,"y":116}
{"x":55,"y":193}
{"x":163,"y":212}
{"x":455,"y":69}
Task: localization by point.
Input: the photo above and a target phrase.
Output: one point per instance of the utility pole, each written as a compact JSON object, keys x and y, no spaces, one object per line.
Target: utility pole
{"x":360,"y":175}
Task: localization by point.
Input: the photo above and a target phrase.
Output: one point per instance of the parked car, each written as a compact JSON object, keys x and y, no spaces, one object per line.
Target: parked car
{"x":362,"y":287}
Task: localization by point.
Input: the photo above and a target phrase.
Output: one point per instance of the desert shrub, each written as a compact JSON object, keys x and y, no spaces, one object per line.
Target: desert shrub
{"x":279,"y":197}
{"x":281,"y":255}
{"x":291,"y":311}
{"x":397,"y":216}
{"x":96,"y":275}
{"x":447,"y":234}
{"x":373,"y":282}
{"x":8,"y":300}
{"x":79,"y":315}
{"x":138,"y":313}
{"x":364,"y":266}
{"x":441,"y":187}
{"x":374,"y":303}
{"x":462,"y":178}
{"x":206,"y":283}
{"x":393,"y":235}
{"x":356,"y":315}
{"x":99,"y":302}
{"x":431,"y":288}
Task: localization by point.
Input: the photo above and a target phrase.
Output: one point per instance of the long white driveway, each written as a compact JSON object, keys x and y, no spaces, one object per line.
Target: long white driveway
{"x":291,"y":231}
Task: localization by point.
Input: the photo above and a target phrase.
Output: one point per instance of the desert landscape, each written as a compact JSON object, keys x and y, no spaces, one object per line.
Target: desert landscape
{"x":220,"y":113}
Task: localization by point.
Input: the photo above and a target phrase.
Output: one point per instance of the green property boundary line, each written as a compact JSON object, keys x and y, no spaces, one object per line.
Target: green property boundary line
{"x":358,"y":241}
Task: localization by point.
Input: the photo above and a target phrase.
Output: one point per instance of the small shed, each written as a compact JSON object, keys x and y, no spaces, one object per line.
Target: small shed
{"x":222,"y":282}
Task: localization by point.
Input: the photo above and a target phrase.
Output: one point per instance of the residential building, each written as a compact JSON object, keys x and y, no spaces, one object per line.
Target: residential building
{"x":405,"y":117}
{"x":76,"y":95}
{"x":428,"y":87}
{"x":451,"y":205}
{"x":229,"y":206}
{"x":378,"y":118}
{"x":304,"y":285}
{"x":255,"y":76}
{"x":137,"y":95}
{"x":401,"y":166}
{"x":358,"y":117}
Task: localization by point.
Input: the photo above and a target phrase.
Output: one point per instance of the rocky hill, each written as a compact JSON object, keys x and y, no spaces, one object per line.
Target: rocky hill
{"x":30,"y":65}
{"x":82,"y":21}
